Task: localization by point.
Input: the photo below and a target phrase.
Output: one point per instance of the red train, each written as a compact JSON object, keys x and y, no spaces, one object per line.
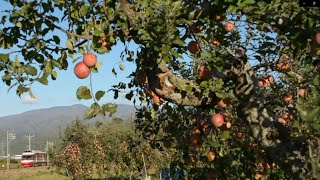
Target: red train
{"x":33,"y":158}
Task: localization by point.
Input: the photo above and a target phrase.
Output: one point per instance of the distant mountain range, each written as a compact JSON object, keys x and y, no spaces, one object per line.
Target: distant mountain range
{"x":47,"y":124}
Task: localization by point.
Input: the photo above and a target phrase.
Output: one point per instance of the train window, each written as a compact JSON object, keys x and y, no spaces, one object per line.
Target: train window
{"x":27,"y":157}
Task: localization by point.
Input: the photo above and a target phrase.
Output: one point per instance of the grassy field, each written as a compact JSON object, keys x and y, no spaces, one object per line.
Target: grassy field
{"x":32,"y":173}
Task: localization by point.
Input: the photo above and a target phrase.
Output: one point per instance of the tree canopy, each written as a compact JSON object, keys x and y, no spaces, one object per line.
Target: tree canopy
{"x":232,"y":85}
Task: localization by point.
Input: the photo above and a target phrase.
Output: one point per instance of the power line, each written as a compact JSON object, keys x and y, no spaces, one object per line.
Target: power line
{"x":49,"y":146}
{"x":10,"y":136}
{"x":29,"y":138}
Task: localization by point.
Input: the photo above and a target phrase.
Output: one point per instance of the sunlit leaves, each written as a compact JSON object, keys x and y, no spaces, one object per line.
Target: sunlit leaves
{"x":84,"y":10}
{"x":92,"y":111}
{"x":21,"y":89}
{"x":4,"y":58}
{"x":69,"y":45}
{"x":31,"y":70}
{"x":83,"y":92}
{"x":99,"y":95}
{"x":43,"y":79}
{"x":110,"y":108}
{"x":121,"y":66}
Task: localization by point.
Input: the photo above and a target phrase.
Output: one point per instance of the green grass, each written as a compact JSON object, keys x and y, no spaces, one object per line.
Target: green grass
{"x":44,"y":176}
{"x":32,"y":173}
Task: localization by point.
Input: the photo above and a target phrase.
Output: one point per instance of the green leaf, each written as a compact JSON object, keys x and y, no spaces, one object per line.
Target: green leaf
{"x":114,"y":72}
{"x":31,"y":70}
{"x":48,"y":67}
{"x":56,"y":64}
{"x":129,"y":95}
{"x":84,"y":10}
{"x":69,"y":45}
{"x":54,"y":74}
{"x":98,"y":65}
{"x":17,"y":61}
{"x":99,"y":95}
{"x":109,"y":107}
{"x":121,"y":66}
{"x":43,"y":80}
{"x":92,"y":111}
{"x":83,"y":92}
{"x":56,"y":39}
{"x":18,"y":24}
{"x":6,"y":77}
{"x":97,"y":32}
{"x":221,"y":95}
{"x":224,"y":134}
{"x":214,"y":143}
{"x":4,"y":58}
{"x":311,"y":22}
{"x":21,"y":89}
{"x":188,"y":88}
{"x":313,"y":113}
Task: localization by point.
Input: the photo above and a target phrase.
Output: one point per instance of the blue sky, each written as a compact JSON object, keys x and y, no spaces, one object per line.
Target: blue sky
{"x":62,"y":91}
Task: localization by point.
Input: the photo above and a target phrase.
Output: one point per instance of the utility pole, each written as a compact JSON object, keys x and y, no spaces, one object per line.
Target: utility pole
{"x":2,"y":152}
{"x":49,"y":145}
{"x":10,"y":136}
{"x":29,"y":138}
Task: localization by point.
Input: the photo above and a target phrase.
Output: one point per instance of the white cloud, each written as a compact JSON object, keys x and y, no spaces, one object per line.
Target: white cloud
{"x":29,"y":100}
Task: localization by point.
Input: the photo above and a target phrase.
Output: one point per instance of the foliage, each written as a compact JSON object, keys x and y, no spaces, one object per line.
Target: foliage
{"x":109,"y":150}
{"x":275,"y":121}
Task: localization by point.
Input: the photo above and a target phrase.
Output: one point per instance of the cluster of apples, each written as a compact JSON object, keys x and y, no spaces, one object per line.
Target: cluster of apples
{"x":82,"y":69}
{"x":194,"y":47}
{"x":266,"y":82}
{"x":216,"y":120}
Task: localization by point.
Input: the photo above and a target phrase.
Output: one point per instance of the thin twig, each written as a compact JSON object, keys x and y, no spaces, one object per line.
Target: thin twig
{"x":144,"y":165}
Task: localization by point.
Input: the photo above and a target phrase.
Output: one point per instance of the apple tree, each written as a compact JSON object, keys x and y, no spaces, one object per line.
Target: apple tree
{"x":106,"y":150}
{"x":233,"y":86}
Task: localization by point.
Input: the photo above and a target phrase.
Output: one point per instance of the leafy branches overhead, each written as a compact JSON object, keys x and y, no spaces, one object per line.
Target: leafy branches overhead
{"x":253,"y":63}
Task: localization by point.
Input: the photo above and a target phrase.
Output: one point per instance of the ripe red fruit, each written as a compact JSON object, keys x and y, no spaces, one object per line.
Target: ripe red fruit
{"x":204,"y":125}
{"x":194,"y":140}
{"x":193,"y":47}
{"x":198,"y":148}
{"x":89,"y":59}
{"x":229,"y":26}
{"x":204,"y":72}
{"x":302,"y":92}
{"x":195,"y":131}
{"x":288,"y":99}
{"x":217,"y":120}
{"x":215,"y":42}
{"x":81,"y":70}
{"x":317,"y":38}
{"x":283,"y":66}
{"x":223,"y":103}
{"x":261,"y":82}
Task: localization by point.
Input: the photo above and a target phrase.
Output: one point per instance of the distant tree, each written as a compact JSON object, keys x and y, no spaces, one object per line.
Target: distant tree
{"x":117,"y":120}
{"x":111,"y":150}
